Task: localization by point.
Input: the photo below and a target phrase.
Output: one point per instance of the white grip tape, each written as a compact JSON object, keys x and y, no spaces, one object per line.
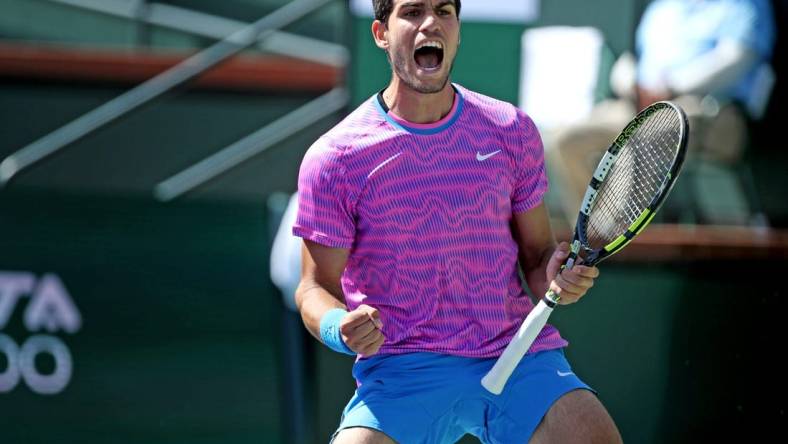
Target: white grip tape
{"x":496,"y":378}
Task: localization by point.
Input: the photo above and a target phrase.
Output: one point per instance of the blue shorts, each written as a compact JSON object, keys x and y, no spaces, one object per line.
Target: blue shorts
{"x":432,"y":398}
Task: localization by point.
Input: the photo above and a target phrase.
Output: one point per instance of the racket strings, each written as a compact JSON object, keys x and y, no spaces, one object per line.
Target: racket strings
{"x":636,"y":178}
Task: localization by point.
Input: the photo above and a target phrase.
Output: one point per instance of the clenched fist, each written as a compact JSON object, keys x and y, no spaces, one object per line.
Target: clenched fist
{"x":361,"y":330}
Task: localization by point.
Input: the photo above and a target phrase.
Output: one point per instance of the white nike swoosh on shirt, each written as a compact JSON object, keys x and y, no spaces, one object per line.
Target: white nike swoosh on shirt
{"x":383,"y":164}
{"x":562,"y":374}
{"x":480,"y":157}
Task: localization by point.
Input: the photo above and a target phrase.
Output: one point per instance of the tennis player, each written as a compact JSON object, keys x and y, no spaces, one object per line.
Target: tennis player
{"x":414,"y":211}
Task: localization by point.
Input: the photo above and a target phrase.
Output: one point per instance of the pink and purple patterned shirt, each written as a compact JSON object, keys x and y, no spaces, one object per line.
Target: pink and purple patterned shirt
{"x":425,"y":211}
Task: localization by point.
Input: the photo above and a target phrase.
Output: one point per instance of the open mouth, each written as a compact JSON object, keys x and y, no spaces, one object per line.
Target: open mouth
{"x":429,"y":55}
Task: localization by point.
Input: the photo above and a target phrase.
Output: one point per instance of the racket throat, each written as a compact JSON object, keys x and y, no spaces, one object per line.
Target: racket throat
{"x":574,"y":253}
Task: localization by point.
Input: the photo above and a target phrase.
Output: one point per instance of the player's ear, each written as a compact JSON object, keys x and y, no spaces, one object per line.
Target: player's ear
{"x":380,"y":34}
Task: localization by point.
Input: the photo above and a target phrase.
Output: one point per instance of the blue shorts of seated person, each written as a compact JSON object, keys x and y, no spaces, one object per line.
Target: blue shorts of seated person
{"x":430,"y":398}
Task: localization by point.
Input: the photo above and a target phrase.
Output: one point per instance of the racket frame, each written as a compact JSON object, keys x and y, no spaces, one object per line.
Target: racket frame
{"x":593,"y":256}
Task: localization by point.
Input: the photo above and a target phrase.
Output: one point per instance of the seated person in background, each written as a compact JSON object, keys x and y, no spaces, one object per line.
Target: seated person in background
{"x":706,"y":56}
{"x":285,"y":265}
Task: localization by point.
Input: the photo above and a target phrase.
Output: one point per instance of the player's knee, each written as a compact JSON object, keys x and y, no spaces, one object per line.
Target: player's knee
{"x":578,"y":417}
{"x":598,"y":425}
{"x":593,"y":419}
{"x":605,"y":432}
{"x":361,"y":435}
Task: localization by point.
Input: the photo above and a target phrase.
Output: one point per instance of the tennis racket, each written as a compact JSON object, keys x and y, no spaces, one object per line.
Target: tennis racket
{"x":630,"y":183}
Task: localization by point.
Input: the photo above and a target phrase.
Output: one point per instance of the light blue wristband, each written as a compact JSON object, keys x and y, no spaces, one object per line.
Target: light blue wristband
{"x":330,"y":334}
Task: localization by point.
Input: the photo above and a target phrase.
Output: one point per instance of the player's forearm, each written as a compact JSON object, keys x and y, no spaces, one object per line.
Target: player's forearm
{"x":314,"y":301}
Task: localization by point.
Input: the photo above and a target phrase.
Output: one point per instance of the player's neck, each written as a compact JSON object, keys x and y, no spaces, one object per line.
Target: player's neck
{"x":417,"y":107}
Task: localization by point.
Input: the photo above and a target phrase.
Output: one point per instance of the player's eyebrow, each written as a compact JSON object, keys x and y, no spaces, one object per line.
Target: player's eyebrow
{"x":446,"y":3}
{"x":421,"y":3}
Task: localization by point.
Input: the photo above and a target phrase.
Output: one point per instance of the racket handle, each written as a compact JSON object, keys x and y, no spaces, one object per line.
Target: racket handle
{"x":496,"y":378}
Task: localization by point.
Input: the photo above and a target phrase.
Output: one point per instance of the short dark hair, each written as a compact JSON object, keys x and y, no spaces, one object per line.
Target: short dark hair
{"x":383,"y":9}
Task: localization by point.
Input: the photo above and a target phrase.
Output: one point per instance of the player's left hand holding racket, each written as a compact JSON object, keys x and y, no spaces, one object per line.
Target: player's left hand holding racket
{"x":630,"y":183}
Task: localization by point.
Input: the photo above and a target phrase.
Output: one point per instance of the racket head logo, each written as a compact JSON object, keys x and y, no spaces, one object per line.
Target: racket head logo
{"x":638,"y":121}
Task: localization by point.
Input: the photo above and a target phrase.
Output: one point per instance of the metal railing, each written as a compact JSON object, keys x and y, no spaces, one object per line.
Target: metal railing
{"x":193,"y":66}
{"x":215,"y":27}
{"x":252,"y":145}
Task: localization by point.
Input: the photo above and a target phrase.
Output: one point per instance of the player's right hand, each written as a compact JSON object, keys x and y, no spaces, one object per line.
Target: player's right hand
{"x":361,"y":330}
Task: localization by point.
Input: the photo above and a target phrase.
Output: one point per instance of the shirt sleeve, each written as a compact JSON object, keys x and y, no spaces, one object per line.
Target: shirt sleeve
{"x":325,"y":209}
{"x":531,"y":178}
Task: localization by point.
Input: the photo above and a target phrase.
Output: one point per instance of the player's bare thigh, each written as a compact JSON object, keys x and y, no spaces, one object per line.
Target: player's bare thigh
{"x":577,"y":417}
{"x":361,"y":435}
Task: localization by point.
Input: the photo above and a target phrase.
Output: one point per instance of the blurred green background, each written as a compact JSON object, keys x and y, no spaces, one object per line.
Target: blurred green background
{"x":183,"y":336}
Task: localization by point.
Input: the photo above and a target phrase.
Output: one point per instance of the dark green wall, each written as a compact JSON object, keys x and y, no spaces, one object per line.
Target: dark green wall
{"x":677,"y":349}
{"x":179,"y":321}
